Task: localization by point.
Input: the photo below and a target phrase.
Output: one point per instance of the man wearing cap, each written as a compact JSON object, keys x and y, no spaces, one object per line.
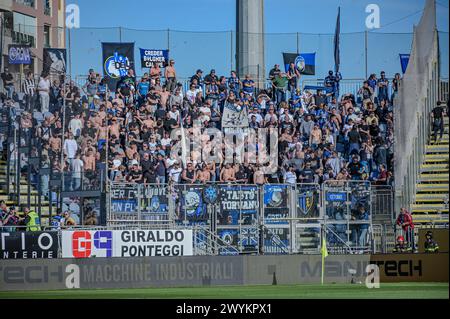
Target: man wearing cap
{"x":197,"y":76}
{"x":211,"y":77}
{"x":274,"y":72}
{"x":143,"y":88}
{"x":382,"y":84}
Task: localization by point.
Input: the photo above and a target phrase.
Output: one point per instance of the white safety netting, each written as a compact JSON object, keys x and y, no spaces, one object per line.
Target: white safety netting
{"x":416,"y":85}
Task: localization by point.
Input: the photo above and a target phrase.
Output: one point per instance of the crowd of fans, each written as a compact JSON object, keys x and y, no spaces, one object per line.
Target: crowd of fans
{"x":322,"y":135}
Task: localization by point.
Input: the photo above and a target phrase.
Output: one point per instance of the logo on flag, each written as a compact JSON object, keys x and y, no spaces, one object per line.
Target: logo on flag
{"x":117,"y":66}
{"x":300,"y":63}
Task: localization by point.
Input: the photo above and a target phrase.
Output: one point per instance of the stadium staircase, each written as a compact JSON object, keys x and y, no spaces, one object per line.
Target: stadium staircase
{"x":430,"y":206}
{"x":11,"y":199}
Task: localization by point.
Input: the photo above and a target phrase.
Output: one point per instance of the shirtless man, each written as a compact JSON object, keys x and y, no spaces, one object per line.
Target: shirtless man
{"x":228,"y":174}
{"x":55,"y":143}
{"x":130,"y":151}
{"x":114,"y":128}
{"x":102,"y":135}
{"x":171,"y":76}
{"x":316,"y":136}
{"x":149,"y":122}
{"x":204,"y":175}
{"x":258,"y":176}
{"x":89,"y":161}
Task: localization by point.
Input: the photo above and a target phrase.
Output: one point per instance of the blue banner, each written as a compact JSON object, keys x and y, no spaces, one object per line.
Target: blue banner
{"x":150,"y":57}
{"x":124,"y":205}
{"x":336,"y":197}
{"x":19,"y":54}
{"x":404,"y":59}
{"x":276,"y":206}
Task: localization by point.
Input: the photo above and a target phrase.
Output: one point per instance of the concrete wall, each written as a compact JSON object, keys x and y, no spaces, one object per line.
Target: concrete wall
{"x":45,"y":274}
{"x":250,"y":39}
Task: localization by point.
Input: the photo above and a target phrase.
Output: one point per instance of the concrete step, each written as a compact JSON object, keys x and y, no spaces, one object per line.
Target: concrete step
{"x":434,"y":168}
{"x":433,"y":178}
{"x":432,"y":188}
{"x":429,"y":218}
{"x":436,"y":158}
{"x":444,"y":141}
{"x":437,"y":149}
{"x":429,"y":208}
{"x":431,"y":197}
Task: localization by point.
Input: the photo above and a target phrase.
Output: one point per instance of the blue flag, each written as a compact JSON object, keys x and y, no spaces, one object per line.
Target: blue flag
{"x":150,"y":56}
{"x":304,"y":62}
{"x":404,"y":59}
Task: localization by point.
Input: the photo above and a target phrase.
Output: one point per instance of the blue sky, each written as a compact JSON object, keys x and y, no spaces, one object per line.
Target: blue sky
{"x":217,"y":17}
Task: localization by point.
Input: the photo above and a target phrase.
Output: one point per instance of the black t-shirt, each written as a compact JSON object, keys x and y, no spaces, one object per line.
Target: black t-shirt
{"x":354,"y":168}
{"x":135,"y":174}
{"x":274,"y":73}
{"x":364,"y":136}
{"x":146,"y":165}
{"x":149,"y":177}
{"x":437,"y":112}
{"x":241,"y":174}
{"x":308,"y":175}
{"x":374,"y":130}
{"x":7,"y":77}
{"x":353,"y":136}
{"x":160,"y":114}
{"x":382,"y":113}
{"x":168,"y":124}
{"x":90,"y":131}
{"x":319,"y":98}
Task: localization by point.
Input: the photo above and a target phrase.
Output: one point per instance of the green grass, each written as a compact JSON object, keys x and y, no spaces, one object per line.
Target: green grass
{"x":328,"y":291}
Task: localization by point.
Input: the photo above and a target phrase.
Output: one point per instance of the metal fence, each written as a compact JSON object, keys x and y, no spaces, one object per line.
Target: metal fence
{"x":243,"y":218}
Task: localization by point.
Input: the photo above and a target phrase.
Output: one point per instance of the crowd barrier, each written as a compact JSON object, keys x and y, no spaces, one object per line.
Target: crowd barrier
{"x":112,"y":273}
{"x":274,"y":218}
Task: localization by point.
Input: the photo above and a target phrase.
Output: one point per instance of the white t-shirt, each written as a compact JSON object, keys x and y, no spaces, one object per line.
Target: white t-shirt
{"x":175,"y":173}
{"x":77,"y":167}
{"x":257,"y":115}
{"x":290,"y":178}
{"x":44,"y":84}
{"x":71,"y":147}
{"x":74,"y":125}
{"x":166,"y":141}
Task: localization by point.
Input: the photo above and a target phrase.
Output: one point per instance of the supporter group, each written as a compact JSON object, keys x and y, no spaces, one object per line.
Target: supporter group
{"x":323,"y":134}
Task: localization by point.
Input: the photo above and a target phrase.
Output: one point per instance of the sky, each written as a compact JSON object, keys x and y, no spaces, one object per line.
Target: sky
{"x":215,"y":48}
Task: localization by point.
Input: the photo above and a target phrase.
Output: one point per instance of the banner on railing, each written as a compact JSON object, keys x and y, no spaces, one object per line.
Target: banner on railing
{"x":308,"y":198}
{"x":276,"y":240}
{"x":276,"y":204}
{"x":154,"y":203}
{"x":189,"y":202}
{"x":238,"y":203}
{"x":152,"y":57}
{"x":28,"y":245}
{"x":126,"y":243}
